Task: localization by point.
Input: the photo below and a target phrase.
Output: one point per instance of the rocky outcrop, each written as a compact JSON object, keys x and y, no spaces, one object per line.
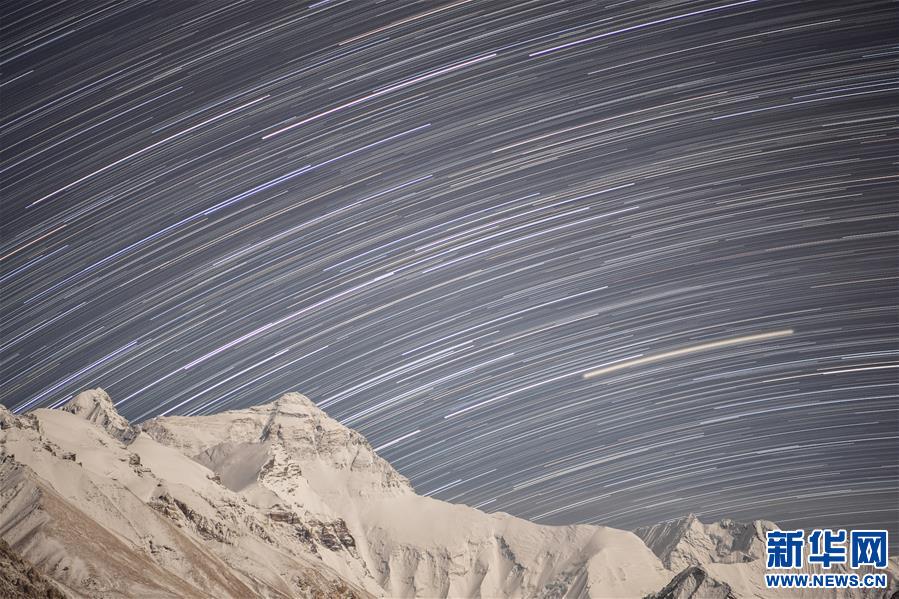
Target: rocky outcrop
{"x":688,"y":542}
{"x":184,"y":515}
{"x":140,"y":519}
{"x":279,"y":500}
{"x":283,"y":435}
{"x":21,"y":580}
{"x":7,"y":419}
{"x":694,"y":583}
{"x":95,"y":406}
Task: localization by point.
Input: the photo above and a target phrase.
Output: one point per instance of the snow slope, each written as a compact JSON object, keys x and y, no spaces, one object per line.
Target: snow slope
{"x":733,"y":554}
{"x":279,"y":500}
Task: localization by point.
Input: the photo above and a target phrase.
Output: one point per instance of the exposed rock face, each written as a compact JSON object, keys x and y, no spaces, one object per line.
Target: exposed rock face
{"x":279,"y":500}
{"x":689,"y":542}
{"x":731,"y":555}
{"x":141,"y":520}
{"x":7,"y":418}
{"x":283,"y":435}
{"x":95,"y":406}
{"x":694,"y":583}
{"x":324,"y":484}
{"x":20,"y":580}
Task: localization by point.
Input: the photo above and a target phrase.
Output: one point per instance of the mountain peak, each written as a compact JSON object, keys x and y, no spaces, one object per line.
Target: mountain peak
{"x":293,"y":397}
{"x":227,"y":504}
{"x":291,"y":409}
{"x":688,"y":541}
{"x":89,"y":400}
{"x":294,"y":435}
{"x":94,"y":405}
{"x":293,"y":403}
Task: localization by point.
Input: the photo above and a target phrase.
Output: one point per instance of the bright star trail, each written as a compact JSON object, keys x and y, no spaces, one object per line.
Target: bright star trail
{"x":684,"y":351}
{"x":576,"y":261}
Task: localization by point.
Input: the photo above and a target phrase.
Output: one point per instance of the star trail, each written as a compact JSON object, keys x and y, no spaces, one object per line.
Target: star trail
{"x":601,"y":262}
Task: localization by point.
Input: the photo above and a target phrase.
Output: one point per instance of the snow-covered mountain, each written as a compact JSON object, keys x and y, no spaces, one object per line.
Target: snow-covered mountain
{"x":279,"y":500}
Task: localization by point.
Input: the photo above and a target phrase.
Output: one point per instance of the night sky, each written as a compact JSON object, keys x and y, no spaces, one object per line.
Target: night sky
{"x":603,"y":262}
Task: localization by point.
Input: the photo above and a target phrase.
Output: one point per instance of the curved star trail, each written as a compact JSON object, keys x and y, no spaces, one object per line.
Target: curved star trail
{"x":436,"y":219}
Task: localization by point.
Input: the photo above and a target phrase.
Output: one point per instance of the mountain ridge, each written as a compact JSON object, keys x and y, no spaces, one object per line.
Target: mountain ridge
{"x":280,"y":500}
